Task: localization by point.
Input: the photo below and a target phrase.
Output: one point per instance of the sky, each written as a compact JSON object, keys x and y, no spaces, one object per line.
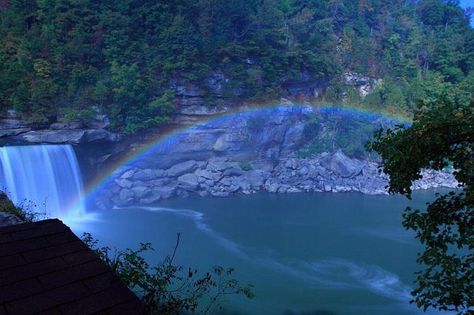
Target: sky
{"x":468,"y":3}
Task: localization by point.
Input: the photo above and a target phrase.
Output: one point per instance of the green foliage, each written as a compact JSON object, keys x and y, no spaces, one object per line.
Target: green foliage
{"x":74,"y":114}
{"x":166,"y":288}
{"x":26,"y":211}
{"x":333,"y":132}
{"x":442,"y":134}
{"x":387,"y":94}
{"x":123,"y":56}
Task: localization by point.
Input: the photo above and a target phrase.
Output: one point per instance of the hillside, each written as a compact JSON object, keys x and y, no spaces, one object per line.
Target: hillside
{"x":141,"y":61}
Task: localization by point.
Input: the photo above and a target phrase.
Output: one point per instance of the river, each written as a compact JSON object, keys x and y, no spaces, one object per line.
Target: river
{"x":319,"y":253}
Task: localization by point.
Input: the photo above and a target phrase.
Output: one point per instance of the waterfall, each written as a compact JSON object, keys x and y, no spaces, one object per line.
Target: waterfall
{"x":48,"y":176}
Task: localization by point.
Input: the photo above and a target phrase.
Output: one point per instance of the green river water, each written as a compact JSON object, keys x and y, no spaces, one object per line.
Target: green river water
{"x":319,"y":254}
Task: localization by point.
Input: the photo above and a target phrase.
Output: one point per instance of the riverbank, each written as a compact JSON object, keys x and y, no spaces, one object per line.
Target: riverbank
{"x":222,"y":177}
{"x":281,"y":149}
{"x":278,"y":149}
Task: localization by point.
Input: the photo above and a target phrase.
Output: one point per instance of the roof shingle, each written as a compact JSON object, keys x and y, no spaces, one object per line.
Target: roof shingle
{"x":45,"y":268}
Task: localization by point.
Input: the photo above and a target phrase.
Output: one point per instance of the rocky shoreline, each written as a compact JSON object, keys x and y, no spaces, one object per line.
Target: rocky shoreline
{"x":258,"y":151}
{"x":223,"y":177}
{"x":249,"y":151}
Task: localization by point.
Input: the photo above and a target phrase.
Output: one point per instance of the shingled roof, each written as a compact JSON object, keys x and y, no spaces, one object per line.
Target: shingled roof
{"x":45,"y":268}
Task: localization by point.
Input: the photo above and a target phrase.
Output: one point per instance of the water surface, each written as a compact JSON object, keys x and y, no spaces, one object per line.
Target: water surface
{"x":320,"y":253}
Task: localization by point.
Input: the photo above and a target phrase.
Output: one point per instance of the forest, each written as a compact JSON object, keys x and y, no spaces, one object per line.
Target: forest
{"x":63,"y":60}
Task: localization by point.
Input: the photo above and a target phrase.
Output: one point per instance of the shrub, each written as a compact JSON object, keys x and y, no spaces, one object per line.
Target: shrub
{"x":167,"y":288}
{"x":24,"y":211}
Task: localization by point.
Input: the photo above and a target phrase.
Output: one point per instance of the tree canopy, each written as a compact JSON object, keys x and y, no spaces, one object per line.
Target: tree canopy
{"x":63,"y":59}
{"x":441,"y":136}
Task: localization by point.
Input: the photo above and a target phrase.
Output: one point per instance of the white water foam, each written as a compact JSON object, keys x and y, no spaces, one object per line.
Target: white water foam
{"x":372,"y":277}
{"x":198,"y":219}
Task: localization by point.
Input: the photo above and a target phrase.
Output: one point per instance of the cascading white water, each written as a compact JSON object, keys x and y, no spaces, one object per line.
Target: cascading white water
{"x":46,"y":175}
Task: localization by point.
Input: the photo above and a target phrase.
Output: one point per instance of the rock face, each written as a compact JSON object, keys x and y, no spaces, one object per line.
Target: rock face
{"x":11,"y":125}
{"x":7,"y":219}
{"x":70,"y":136}
{"x":241,"y":153}
{"x":222,"y":177}
{"x":17,"y":130}
{"x":93,"y":144}
{"x":364,"y":85}
{"x":247,"y":153}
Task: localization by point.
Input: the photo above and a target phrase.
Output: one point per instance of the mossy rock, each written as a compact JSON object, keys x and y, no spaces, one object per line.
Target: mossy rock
{"x":7,"y":206}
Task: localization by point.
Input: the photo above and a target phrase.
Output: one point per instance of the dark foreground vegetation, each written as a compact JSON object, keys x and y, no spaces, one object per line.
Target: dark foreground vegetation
{"x":442,"y":134}
{"x":64,"y":60}
{"x":167,"y":288}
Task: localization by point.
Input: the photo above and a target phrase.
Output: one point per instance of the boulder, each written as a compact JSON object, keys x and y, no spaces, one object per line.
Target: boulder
{"x":263,"y":165}
{"x":127,"y":174}
{"x":272,"y":187}
{"x":145,"y":175}
{"x":140,"y":191}
{"x":160,"y":182}
{"x":218,"y":165}
{"x":233,"y":189}
{"x":342,"y":165}
{"x":293,"y":190}
{"x":151,"y":199}
{"x":321,"y":171}
{"x":124,"y":183}
{"x":159,"y":173}
{"x":292,"y":164}
{"x":254,"y":178}
{"x":188,"y":182}
{"x":233,"y":171}
{"x":228,"y":181}
{"x":182,"y":168}
{"x":208,"y":175}
{"x":220,"y":194}
{"x":126,"y":198}
{"x":163,"y":192}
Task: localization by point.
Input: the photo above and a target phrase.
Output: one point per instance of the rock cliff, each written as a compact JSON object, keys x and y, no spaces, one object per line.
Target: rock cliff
{"x":254,"y":151}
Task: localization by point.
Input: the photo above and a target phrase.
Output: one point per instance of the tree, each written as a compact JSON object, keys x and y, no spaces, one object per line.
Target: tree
{"x":61,"y":57}
{"x":442,"y":135}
